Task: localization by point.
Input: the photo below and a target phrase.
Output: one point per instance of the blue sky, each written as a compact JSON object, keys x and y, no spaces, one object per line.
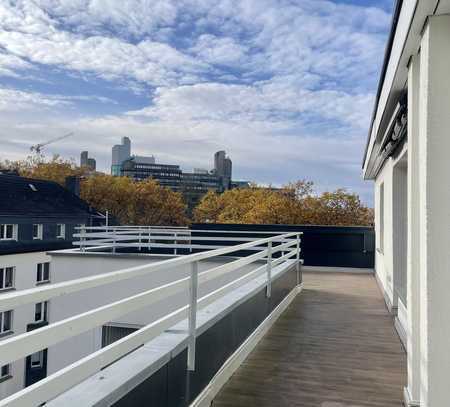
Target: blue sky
{"x":286,"y":87}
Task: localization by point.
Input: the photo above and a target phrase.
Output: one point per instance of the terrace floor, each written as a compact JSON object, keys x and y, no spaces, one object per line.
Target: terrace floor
{"x":335,"y":346}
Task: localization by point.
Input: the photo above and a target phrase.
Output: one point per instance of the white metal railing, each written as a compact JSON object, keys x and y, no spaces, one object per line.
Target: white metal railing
{"x":22,"y":345}
{"x":112,"y":238}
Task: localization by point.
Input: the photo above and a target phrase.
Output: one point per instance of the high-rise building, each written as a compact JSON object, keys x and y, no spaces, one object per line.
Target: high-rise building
{"x":223,"y":168}
{"x":83,"y":158}
{"x":120,"y":153}
{"x":85,"y":161}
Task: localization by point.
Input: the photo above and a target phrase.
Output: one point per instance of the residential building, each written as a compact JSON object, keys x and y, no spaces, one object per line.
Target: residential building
{"x":407,"y":158}
{"x":86,"y":161}
{"x":35,"y":216}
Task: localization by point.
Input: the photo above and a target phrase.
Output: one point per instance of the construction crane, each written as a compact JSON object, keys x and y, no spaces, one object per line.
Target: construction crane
{"x":38,"y":147}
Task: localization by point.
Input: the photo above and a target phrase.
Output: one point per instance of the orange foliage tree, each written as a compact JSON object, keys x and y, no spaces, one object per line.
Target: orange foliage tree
{"x":56,"y":169}
{"x":135,"y":203}
{"x":294,"y":204}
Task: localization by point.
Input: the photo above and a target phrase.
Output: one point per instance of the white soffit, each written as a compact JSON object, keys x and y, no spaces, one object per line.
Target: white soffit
{"x":411,"y":21}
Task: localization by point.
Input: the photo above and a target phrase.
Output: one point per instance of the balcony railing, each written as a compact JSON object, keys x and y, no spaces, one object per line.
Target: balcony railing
{"x":284,"y":245}
{"x":157,"y":237}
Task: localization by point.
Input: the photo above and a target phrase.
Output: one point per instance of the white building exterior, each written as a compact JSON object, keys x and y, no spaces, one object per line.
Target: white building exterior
{"x":35,"y":216}
{"x":411,"y":171}
{"x":25,"y":271}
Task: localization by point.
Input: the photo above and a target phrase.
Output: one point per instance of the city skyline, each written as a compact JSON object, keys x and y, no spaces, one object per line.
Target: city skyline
{"x":285,"y":89}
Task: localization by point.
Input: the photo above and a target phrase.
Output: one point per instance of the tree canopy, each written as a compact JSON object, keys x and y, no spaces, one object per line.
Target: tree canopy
{"x":148,"y":203}
{"x":294,"y":204}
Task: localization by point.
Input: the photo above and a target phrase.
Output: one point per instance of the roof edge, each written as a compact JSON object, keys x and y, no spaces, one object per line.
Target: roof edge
{"x":387,"y":56}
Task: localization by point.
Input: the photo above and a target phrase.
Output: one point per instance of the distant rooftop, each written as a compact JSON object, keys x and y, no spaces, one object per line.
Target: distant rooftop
{"x":38,"y":198}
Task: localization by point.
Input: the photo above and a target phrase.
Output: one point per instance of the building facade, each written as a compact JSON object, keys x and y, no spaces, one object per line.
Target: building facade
{"x":193,"y":185}
{"x":86,"y":161}
{"x":35,"y":217}
{"x":223,"y":169}
{"x":120,"y":153}
{"x":407,"y":158}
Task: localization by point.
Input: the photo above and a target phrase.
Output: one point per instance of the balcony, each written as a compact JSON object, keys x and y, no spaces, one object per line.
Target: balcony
{"x":228,"y":317}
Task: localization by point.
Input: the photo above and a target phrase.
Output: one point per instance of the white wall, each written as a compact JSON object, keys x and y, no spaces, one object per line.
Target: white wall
{"x":384,"y":257}
{"x":25,"y":277}
{"x":67,"y":267}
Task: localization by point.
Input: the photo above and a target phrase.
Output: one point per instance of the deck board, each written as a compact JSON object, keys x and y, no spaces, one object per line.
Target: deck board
{"x":335,"y":346}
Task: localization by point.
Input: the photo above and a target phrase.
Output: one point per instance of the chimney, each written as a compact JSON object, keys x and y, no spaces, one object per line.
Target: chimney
{"x":73,"y":185}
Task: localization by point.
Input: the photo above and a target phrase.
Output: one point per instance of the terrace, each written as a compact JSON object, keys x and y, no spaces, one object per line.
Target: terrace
{"x":175,"y":316}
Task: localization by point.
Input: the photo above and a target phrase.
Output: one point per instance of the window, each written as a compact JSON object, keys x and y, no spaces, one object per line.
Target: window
{"x":37,"y":232}
{"x":60,"y":231}
{"x":6,"y":278}
{"x":43,"y":273}
{"x":5,"y":322}
{"x":41,"y":311}
{"x":8,"y":232}
{"x":5,"y":372}
{"x":381,"y":221}
{"x":37,"y":359}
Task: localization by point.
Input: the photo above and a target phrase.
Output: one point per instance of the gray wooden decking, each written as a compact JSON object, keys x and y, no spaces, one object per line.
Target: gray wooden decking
{"x":335,"y":346}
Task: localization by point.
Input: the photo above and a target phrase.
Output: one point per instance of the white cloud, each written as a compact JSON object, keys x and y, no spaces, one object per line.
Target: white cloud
{"x":222,"y":51}
{"x":270,"y":101}
{"x":12,"y":100}
{"x":11,"y":65}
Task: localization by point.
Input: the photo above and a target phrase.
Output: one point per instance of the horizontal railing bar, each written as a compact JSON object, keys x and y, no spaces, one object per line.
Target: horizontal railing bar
{"x":168,"y":230}
{"x":159,"y":245}
{"x":169,"y":238}
{"x":228,"y":267}
{"x":133,"y":227}
{"x":283,"y":258}
{"x":11,"y":300}
{"x":256,"y":232}
{"x":284,"y":246}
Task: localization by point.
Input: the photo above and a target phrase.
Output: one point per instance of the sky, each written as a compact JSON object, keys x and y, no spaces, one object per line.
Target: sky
{"x":286,"y":87}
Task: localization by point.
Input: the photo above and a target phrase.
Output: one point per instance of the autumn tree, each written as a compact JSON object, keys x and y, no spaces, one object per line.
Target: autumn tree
{"x":295,"y":203}
{"x":135,"y":203}
{"x":56,"y":169}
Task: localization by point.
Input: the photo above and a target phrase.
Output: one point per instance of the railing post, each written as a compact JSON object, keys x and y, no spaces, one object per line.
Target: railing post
{"x":269,"y":269}
{"x":175,"y":243}
{"x":149,"y":238}
{"x":114,"y":240}
{"x":82,"y":238}
{"x":140,"y":241}
{"x":297,"y":258}
{"x":193,"y":294}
